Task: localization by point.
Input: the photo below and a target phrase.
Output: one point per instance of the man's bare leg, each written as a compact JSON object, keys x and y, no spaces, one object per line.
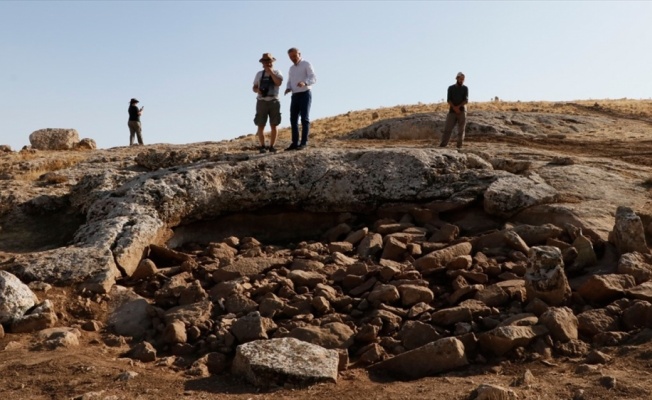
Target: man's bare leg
{"x":272,"y":136}
{"x":261,"y":138}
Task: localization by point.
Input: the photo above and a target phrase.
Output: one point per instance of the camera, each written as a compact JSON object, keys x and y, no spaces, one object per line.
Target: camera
{"x":265,"y":87}
{"x":264,"y":90}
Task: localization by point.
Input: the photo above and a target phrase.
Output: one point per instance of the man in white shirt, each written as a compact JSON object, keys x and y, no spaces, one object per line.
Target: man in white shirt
{"x":266,"y":86}
{"x":300,"y":78}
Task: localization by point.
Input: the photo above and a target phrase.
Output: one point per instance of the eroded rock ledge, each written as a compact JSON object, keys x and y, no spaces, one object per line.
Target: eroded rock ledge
{"x":124,"y":217}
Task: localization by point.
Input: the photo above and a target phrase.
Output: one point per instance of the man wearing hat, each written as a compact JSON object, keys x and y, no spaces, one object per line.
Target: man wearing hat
{"x":457,"y":98}
{"x":134,"y":122}
{"x":266,"y":84}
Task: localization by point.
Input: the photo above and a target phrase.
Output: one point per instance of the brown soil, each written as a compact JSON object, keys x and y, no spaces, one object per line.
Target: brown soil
{"x":92,"y":370}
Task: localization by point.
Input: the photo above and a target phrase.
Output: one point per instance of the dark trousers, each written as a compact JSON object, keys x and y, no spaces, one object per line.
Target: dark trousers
{"x":135,"y":130}
{"x":300,"y":105}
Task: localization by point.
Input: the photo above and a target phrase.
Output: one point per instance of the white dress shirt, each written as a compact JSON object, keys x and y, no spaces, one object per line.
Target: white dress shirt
{"x":301,"y":72}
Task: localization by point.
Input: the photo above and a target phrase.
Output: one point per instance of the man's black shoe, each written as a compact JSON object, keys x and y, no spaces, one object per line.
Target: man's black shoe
{"x":262,"y":149}
{"x":292,"y":147}
{"x":271,"y":149}
{"x":302,"y":146}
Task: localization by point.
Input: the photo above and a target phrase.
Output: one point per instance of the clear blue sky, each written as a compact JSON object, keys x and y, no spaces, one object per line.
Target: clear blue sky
{"x":76,"y":64}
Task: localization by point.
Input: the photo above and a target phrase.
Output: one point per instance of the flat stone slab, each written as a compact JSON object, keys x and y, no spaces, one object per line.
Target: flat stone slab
{"x":275,"y":362}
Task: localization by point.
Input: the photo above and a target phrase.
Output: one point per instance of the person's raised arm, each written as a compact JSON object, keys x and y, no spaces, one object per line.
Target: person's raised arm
{"x":277,"y":77}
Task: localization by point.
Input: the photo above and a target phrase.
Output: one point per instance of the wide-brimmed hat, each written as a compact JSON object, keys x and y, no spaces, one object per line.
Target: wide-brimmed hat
{"x":267,"y":57}
{"x":134,"y":101}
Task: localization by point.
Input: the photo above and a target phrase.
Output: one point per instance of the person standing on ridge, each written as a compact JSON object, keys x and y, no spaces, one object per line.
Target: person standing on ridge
{"x":300,"y":78}
{"x":266,"y":84}
{"x":134,"y":122}
{"x":457,"y":98}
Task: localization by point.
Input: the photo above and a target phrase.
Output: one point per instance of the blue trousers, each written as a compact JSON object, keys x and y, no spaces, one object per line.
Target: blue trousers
{"x":300,"y":105}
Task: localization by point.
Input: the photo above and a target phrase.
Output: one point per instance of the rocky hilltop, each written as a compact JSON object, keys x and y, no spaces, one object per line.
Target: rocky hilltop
{"x":372,"y":252}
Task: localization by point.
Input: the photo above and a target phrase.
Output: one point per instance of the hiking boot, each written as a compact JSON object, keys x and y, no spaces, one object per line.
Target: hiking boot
{"x":272,"y":149}
{"x":262,"y":149}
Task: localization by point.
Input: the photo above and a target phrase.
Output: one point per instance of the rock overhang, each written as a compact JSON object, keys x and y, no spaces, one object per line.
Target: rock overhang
{"x":148,"y":208}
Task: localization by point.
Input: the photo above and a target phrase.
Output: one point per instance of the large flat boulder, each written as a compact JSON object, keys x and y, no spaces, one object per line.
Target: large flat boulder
{"x":275,"y":362}
{"x":54,"y":139}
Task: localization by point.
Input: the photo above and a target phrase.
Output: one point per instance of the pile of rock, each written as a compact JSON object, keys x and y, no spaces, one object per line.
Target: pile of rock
{"x":407,"y":299}
{"x":406,"y":294}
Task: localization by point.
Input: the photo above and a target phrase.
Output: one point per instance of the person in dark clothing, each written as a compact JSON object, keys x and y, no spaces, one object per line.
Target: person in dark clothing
{"x":135,"y":129}
{"x":457,"y":98}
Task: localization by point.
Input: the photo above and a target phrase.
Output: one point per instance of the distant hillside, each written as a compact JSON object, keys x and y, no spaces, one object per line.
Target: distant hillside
{"x":340,"y":125}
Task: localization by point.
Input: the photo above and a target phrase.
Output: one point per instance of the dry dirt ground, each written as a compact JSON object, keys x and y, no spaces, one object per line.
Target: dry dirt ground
{"x":94,"y":370}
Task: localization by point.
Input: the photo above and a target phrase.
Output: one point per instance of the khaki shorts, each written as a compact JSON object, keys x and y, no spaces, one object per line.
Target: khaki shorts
{"x":265,"y":108}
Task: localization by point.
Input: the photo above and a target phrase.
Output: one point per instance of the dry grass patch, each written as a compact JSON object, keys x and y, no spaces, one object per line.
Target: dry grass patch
{"x":637,"y":109}
{"x":52,"y":178}
{"x":341,"y":125}
{"x":29,"y":166}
